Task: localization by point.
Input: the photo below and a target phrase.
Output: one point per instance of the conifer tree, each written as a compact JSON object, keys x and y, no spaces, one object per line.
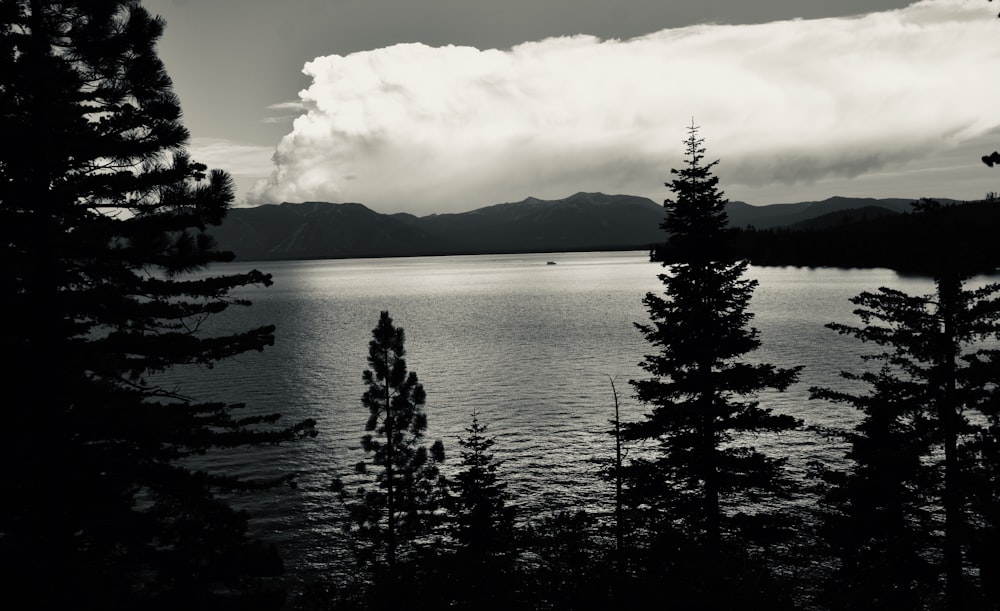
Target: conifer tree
{"x":936,"y":370}
{"x":389,"y":517}
{"x":102,"y":216}
{"x":878,"y":515}
{"x":482,"y":525}
{"x":985,"y":539}
{"x":484,"y":522}
{"x":701,"y":394}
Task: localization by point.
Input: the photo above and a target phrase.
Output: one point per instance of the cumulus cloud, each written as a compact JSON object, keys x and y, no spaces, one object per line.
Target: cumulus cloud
{"x":418,"y":128}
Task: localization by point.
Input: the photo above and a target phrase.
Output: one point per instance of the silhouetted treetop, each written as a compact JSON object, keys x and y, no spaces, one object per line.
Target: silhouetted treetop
{"x":401,"y":483}
{"x":701,"y":392}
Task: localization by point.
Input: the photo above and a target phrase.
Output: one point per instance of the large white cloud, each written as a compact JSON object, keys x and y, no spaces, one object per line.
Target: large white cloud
{"x":418,"y":128}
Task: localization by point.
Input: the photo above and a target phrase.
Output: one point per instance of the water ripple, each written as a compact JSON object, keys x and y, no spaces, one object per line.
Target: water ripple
{"x":529,"y":347}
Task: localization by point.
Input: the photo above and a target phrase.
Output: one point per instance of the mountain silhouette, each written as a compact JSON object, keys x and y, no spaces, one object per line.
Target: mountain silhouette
{"x":580,"y":222}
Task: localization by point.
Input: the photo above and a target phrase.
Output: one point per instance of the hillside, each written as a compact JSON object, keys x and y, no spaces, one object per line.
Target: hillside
{"x":843,"y":217}
{"x":319,"y":230}
{"x":783,"y":215}
{"x":580,"y":222}
{"x":910,"y":243}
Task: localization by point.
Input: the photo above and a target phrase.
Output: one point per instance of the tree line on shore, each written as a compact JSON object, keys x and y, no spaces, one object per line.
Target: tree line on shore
{"x":907,"y":243}
{"x":102,"y":216}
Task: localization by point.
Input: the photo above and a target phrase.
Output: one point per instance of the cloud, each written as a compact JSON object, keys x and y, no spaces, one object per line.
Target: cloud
{"x":248,"y":164}
{"x":296,"y":107}
{"x":240,"y":159}
{"x":418,"y":128}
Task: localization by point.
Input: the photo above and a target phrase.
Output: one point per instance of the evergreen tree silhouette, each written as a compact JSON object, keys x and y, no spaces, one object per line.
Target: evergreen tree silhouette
{"x":102,"y":216}
{"x":878,"y":515}
{"x":701,"y":394}
{"x":917,"y":455}
{"x":389,"y":517}
{"x":985,"y":537}
{"x":482,"y":523}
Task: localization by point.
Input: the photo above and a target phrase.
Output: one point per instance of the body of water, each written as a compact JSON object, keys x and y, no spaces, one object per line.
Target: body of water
{"x":528,"y":345}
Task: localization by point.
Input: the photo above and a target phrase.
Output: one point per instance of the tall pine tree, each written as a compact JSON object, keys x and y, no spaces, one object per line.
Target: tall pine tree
{"x":102,"y":214}
{"x":389,"y":517}
{"x":933,"y":462}
{"x":703,"y":479}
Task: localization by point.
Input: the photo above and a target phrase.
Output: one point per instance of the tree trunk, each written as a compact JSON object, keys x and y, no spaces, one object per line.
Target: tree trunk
{"x":713,"y":518}
{"x":948,"y":300}
{"x":43,"y":400}
{"x":390,"y":475}
{"x":619,"y":519}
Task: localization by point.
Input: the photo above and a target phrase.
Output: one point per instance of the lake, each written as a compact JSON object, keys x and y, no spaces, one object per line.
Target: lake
{"x":531,"y":347}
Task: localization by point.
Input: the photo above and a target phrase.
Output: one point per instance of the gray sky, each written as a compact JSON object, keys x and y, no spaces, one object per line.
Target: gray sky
{"x":431,"y":128}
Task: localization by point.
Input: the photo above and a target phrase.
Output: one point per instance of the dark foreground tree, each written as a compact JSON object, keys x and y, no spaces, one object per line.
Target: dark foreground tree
{"x":703,"y":482}
{"x":569,"y":566}
{"x":388,"y":519}
{"x":483,"y":522}
{"x":985,"y":539}
{"x":102,"y":214}
{"x":920,"y":495}
{"x":482,"y":525}
{"x":878,"y":516}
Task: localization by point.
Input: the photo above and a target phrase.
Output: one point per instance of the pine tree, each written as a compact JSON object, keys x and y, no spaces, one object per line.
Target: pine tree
{"x":702,"y":479}
{"x":387,"y":519}
{"x":878,"y":515}
{"x":102,"y":214}
{"x":482,"y":526}
{"x":484,"y":522}
{"x":930,"y":456}
{"x":985,"y":539}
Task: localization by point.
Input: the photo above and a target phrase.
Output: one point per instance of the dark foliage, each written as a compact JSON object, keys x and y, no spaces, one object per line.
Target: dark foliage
{"x":898,"y":242}
{"x":879,"y":517}
{"x":482,"y":525}
{"x":102,"y":216}
{"x":985,"y":501}
{"x":566,"y":564}
{"x":920,"y":497}
{"x":702,"y":476}
{"x":389,"y":519}
{"x":483,"y":522}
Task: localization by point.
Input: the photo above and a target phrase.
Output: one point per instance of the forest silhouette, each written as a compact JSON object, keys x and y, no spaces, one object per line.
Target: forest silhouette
{"x":104,"y":217}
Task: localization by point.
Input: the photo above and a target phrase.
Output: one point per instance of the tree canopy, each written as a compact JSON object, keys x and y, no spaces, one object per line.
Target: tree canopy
{"x":103,"y":220}
{"x":388,"y":517}
{"x":702,"y":389}
{"x":919,"y":500}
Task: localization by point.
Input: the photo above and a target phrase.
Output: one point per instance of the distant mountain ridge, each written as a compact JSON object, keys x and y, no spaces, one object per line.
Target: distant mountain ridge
{"x":580,"y":222}
{"x":783,"y":215}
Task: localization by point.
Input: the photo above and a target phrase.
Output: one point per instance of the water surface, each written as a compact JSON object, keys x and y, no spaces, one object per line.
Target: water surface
{"x":529,"y":346}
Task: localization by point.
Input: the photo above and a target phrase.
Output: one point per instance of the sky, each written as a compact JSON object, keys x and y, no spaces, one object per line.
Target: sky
{"x":434,"y":106}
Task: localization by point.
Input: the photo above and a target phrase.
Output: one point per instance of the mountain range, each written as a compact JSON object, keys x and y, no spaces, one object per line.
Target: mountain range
{"x":580,"y":222}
